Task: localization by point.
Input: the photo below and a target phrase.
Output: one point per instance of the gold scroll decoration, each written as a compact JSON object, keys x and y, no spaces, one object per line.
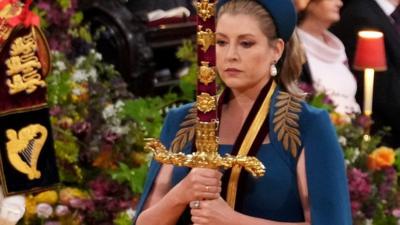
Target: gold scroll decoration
{"x":24,"y":147}
{"x":205,"y":38}
{"x":205,"y":102}
{"x":206,"y":74}
{"x":23,"y":65}
{"x":205,"y":9}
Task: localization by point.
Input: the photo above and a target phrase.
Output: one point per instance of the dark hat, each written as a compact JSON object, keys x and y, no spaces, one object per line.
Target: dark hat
{"x":282,"y":12}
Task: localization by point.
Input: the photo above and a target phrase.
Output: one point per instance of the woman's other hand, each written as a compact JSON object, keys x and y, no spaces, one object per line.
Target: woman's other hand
{"x":200,"y":184}
{"x":213,"y":212}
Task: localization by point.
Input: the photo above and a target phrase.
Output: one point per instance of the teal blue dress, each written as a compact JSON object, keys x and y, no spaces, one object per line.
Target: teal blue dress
{"x":275,"y":196}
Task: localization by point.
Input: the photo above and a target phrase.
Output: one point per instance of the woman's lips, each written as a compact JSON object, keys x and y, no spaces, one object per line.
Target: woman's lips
{"x":232,"y":71}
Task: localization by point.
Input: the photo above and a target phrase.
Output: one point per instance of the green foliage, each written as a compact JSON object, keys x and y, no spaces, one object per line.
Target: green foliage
{"x":122,"y":219}
{"x":65,"y":4}
{"x":381,"y":217}
{"x":58,"y":88}
{"x":319,"y":102}
{"x":42,"y":15}
{"x":397,"y":162}
{"x":77,"y":18}
{"x":187,"y":52}
{"x":81,"y":32}
{"x":134,"y":177}
{"x":148,"y":112}
{"x":187,"y":83}
{"x":66,"y":147}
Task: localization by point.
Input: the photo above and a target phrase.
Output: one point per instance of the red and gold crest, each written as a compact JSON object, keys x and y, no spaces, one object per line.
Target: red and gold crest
{"x":26,"y":145}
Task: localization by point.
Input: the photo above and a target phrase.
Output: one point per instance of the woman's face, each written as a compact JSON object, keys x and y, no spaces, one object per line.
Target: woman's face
{"x":326,"y":11}
{"x":244,"y":56}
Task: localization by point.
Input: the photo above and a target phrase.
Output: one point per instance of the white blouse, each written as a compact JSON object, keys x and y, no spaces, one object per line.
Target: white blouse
{"x":329,"y":70}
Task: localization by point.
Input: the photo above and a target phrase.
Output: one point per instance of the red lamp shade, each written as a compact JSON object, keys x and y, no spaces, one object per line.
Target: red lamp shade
{"x":370,"y":51}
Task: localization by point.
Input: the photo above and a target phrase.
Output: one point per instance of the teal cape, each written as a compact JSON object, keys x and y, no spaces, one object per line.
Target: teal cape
{"x":275,"y":196}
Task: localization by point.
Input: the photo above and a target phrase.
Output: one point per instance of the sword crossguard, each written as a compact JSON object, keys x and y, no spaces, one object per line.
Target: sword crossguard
{"x":210,"y":160}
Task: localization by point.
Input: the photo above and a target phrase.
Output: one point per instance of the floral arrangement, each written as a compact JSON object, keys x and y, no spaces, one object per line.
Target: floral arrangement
{"x":99,"y":127}
{"x":98,"y":144}
{"x":372,"y":169}
{"x":62,"y":22}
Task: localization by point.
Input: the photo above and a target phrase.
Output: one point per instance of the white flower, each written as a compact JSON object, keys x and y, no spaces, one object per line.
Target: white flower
{"x":60,"y":65}
{"x":98,"y":56}
{"x":62,"y":210}
{"x":77,"y":91}
{"x":44,"y":210}
{"x":119,"y":130}
{"x":131,"y":213}
{"x":119,"y":105}
{"x":79,"y":76}
{"x":342,"y":140}
{"x":108,"y":112}
{"x":356,"y":154}
{"x":55,"y":53}
{"x":92,"y":74}
{"x":79,"y":61}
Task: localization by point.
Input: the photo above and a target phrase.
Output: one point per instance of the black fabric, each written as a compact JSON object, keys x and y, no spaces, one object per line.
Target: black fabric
{"x":386,"y":105}
{"x":18,"y":182}
{"x":306,"y":74}
{"x":396,"y":18}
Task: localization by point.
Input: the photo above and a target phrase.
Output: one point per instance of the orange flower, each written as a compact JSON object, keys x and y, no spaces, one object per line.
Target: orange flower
{"x":380,"y":158}
{"x":105,"y":159}
{"x":339,"y":119}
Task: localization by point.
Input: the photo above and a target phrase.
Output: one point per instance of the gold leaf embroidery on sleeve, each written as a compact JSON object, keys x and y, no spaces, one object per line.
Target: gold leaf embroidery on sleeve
{"x":286,"y":121}
{"x":186,"y":131}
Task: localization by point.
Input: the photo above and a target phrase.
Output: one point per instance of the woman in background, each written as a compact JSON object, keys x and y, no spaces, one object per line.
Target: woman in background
{"x":327,"y":66}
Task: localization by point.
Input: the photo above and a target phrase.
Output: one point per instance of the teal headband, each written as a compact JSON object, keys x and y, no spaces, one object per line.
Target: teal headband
{"x":282,"y":12}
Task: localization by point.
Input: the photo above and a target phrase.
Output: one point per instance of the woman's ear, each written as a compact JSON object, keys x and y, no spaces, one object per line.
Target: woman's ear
{"x":279,"y":46}
{"x":301,"y":4}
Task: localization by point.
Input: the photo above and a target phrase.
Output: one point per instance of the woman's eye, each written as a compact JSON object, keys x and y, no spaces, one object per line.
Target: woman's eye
{"x":221,"y":42}
{"x":246,"y":44}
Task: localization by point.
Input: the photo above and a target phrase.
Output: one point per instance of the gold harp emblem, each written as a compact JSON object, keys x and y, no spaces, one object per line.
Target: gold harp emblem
{"x":24,"y":147}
